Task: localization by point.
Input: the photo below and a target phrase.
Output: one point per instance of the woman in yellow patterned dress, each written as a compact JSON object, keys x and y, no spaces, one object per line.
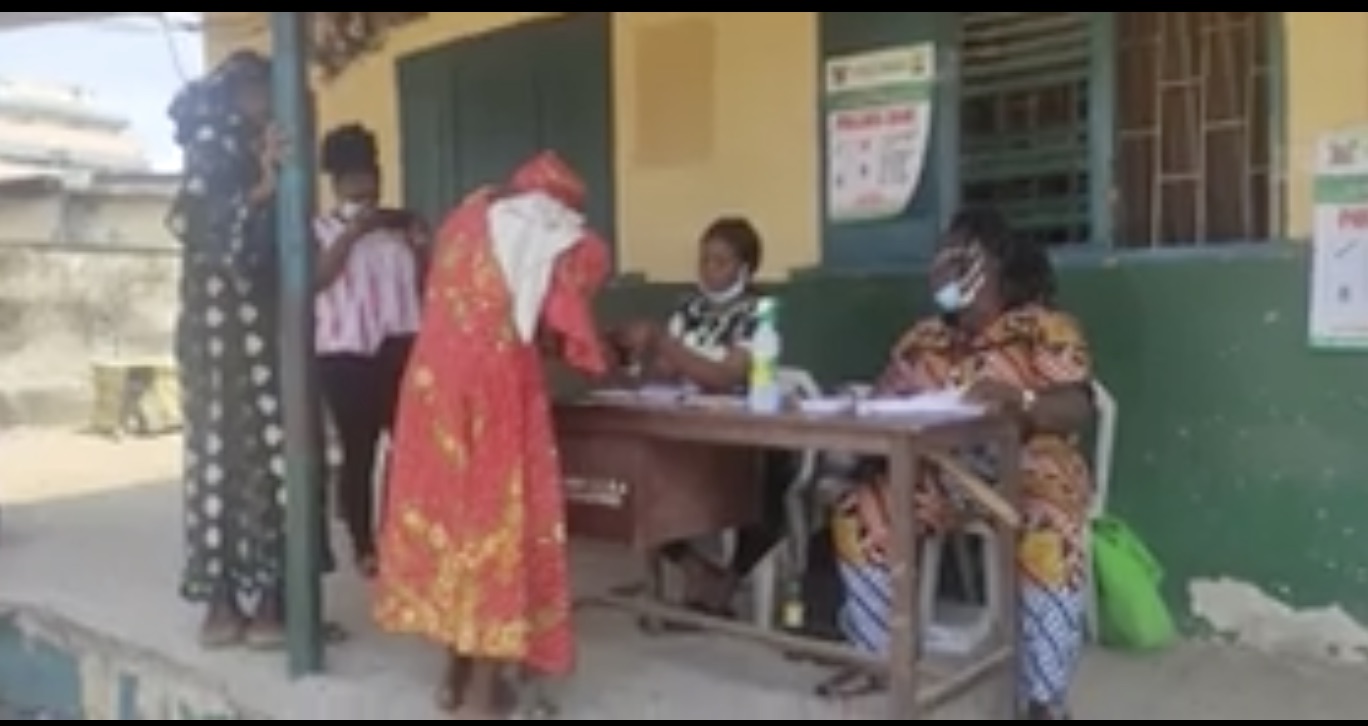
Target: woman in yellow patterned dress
{"x":997,"y":336}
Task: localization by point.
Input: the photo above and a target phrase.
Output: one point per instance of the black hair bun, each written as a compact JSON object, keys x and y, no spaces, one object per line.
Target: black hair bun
{"x":348,"y":149}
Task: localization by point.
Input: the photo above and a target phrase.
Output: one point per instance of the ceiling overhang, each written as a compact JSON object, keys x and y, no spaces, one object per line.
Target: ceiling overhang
{"x":16,"y":21}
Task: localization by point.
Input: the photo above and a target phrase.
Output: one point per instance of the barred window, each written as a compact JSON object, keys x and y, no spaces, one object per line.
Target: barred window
{"x":1192,"y":125}
{"x":1194,"y":129}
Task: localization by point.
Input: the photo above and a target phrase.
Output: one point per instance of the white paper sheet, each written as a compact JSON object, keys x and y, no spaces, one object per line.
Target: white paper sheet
{"x":646,"y":394}
{"x":938,"y":404}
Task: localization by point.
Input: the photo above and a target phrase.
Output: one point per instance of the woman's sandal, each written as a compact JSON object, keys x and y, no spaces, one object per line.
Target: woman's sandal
{"x":850,"y":683}
{"x":1038,"y":712}
{"x":527,"y":704}
{"x":533,"y":705}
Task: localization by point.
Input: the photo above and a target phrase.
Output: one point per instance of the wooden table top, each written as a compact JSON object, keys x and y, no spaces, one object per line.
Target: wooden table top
{"x":735,"y":425}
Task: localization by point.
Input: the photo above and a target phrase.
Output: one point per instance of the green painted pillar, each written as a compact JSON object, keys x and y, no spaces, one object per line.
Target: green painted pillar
{"x":303,"y":468}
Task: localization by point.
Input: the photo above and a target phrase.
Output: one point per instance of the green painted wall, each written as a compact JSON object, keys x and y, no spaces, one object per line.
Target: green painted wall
{"x":1241,"y":452}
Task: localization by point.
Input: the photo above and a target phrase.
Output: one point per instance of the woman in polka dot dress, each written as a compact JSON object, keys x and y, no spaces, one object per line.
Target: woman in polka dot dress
{"x":226,"y":343}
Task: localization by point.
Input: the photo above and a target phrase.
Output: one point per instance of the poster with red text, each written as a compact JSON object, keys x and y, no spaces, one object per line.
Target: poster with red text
{"x":1339,"y":259}
{"x":878,"y":118}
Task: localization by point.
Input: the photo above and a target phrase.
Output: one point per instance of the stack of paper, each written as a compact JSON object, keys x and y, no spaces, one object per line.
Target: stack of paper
{"x":936,"y":404}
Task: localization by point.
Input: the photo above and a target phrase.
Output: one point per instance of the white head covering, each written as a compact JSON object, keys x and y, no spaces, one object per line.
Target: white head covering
{"x":529,"y":231}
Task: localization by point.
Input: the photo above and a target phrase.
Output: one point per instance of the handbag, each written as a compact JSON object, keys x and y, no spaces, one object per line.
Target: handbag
{"x":1131,"y":608}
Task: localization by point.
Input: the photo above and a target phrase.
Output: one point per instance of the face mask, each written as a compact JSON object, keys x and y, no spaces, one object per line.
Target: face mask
{"x":957,"y":295}
{"x":730,"y":293}
{"x":950,"y":297}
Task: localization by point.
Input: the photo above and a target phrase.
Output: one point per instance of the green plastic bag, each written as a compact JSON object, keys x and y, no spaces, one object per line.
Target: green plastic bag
{"x":1130,"y":605}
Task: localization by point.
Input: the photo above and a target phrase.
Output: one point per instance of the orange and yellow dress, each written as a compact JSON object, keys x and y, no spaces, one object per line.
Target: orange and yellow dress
{"x":472,"y":546}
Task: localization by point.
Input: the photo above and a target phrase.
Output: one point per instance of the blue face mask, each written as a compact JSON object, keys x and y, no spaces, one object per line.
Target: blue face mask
{"x":950,"y":297}
{"x":958,"y":295}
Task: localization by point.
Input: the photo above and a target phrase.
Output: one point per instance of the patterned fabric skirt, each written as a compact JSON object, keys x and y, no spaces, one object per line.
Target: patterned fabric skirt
{"x":234,"y":436}
{"x":1051,"y":627}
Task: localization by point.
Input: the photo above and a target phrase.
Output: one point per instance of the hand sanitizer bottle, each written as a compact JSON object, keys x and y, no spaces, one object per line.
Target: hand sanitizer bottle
{"x":765,"y":395}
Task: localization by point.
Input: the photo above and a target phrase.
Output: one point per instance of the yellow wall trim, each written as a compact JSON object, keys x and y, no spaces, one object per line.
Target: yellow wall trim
{"x":736,"y":132}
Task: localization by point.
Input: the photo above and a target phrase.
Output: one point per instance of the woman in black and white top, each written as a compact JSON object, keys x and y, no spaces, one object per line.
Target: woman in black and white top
{"x":705,"y":344}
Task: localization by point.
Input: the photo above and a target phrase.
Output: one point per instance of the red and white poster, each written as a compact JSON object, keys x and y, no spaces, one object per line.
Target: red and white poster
{"x":878,"y":116}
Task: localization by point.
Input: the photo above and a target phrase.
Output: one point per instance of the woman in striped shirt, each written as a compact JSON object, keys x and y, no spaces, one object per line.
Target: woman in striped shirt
{"x":368,"y":310}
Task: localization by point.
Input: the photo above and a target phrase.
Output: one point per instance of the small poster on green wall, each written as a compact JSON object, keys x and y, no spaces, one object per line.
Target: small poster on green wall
{"x":1339,"y":260}
{"x":878,"y":107}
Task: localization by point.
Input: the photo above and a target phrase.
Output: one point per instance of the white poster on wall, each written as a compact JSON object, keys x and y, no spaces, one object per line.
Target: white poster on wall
{"x":1339,"y":260}
{"x":878,"y":108}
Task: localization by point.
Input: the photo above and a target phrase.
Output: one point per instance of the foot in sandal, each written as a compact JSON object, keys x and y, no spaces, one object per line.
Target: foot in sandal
{"x":224,"y":625}
{"x":851,"y":683}
{"x":476,"y":690}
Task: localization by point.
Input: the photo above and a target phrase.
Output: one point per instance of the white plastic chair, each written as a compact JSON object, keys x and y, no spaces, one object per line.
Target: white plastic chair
{"x":972,"y":626}
{"x":967,"y":628}
{"x":1104,"y":448}
{"x":764,"y":579}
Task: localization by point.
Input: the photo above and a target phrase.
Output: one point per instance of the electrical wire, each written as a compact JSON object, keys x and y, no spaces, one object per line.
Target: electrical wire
{"x":173,"y":50}
{"x":166,"y":26}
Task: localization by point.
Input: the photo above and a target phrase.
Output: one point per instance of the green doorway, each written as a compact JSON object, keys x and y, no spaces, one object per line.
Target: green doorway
{"x":472,"y":110}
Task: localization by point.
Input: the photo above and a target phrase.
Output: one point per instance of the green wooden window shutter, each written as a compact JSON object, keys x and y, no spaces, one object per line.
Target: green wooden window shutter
{"x":574,"y":90}
{"x":471,"y":111}
{"x":1024,"y":120}
{"x":427,"y":132}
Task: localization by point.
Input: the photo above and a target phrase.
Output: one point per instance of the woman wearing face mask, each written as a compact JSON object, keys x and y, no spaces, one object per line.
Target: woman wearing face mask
{"x":999,"y":338}
{"x":368,"y":311}
{"x":703,"y":345}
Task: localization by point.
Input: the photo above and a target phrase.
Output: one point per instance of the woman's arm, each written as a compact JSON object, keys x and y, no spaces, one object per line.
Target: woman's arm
{"x":269,"y":157}
{"x":332,"y":259}
{"x":1061,"y":409}
{"x":899,"y":376}
{"x":419,"y":237}
{"x":723,"y":366}
{"x":1062,"y":359}
{"x":1061,"y":402}
{"x":726,"y":374}
{"x":264,"y":191}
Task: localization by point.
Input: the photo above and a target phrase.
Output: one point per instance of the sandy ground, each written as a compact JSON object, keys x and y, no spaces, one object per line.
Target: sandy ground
{"x":91,"y":531}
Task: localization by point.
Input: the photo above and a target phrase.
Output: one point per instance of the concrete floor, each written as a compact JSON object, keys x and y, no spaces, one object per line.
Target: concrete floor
{"x":91,"y":531}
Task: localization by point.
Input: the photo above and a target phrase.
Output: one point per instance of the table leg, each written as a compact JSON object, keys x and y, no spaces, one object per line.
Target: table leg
{"x":653,"y":589}
{"x":904,"y":649}
{"x":1007,"y":700}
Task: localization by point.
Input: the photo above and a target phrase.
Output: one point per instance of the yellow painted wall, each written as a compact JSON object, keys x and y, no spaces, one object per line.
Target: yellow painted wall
{"x":763,"y":161}
{"x":1327,"y":89}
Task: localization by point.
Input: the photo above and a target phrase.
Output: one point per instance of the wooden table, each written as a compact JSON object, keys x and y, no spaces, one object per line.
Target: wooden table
{"x":680,"y":471}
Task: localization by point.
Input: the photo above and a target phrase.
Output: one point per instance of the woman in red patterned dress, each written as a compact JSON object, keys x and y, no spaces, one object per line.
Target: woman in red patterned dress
{"x":472,"y":549}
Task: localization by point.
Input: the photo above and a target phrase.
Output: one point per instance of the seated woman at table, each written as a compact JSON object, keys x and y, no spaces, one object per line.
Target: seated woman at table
{"x":703,"y":344}
{"x":999,"y":337}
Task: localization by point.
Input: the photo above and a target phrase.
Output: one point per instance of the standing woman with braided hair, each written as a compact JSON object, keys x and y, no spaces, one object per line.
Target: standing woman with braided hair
{"x":368,"y":311}
{"x":226,"y":344}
